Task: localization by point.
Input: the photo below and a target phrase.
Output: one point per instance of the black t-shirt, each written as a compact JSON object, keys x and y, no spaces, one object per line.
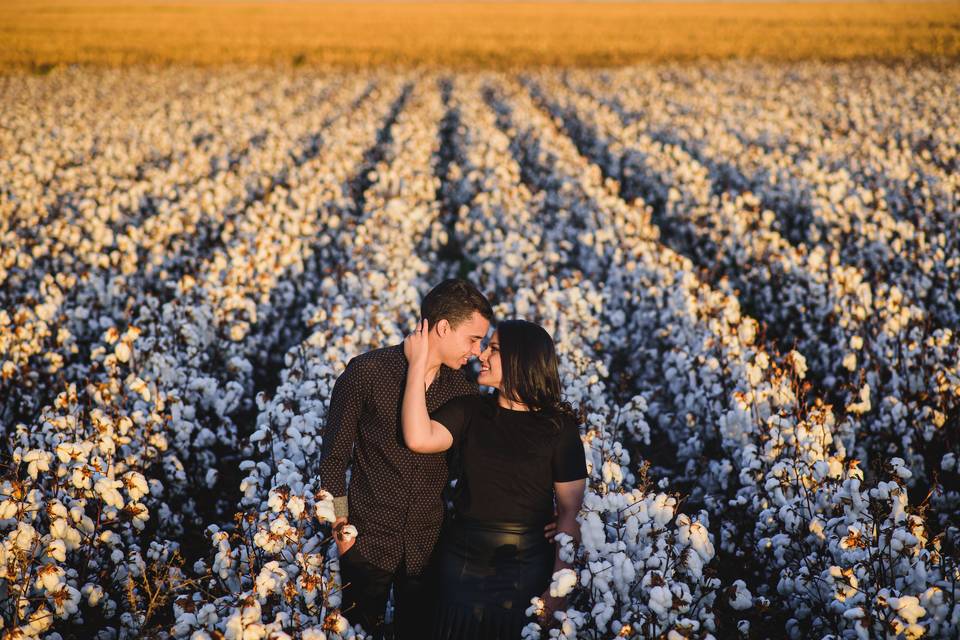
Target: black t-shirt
{"x":509,"y":460}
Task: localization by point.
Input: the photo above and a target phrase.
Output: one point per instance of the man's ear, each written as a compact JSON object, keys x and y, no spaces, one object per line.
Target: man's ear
{"x":442,"y":327}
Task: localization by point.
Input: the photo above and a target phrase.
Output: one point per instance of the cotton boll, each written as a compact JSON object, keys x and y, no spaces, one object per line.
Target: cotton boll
{"x":739,"y":596}
{"x":660,"y":601}
{"x":565,"y":547}
{"x":323,"y":507}
{"x":563,"y":582}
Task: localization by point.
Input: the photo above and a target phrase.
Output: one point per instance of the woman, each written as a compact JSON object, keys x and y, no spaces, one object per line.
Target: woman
{"x":520,"y":451}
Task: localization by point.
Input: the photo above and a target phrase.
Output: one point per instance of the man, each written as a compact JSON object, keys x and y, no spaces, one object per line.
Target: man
{"x":394,"y":498}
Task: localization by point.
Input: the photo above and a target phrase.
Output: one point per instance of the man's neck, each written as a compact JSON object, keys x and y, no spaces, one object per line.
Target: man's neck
{"x":433,"y":370}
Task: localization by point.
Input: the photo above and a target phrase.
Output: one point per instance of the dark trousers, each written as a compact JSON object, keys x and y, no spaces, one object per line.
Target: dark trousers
{"x":365,"y":592}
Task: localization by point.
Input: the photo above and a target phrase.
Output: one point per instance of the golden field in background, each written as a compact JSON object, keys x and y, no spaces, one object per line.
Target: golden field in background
{"x":39,"y":34}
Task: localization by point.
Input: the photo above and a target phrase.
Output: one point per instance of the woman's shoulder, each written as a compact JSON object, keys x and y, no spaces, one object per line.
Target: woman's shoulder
{"x":468,"y":403}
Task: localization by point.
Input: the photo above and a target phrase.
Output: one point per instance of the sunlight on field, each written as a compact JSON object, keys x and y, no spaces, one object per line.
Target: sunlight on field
{"x":40,"y":34}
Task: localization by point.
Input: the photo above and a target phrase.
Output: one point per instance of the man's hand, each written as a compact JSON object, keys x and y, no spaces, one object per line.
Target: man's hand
{"x":550,"y":530}
{"x":344,"y":535}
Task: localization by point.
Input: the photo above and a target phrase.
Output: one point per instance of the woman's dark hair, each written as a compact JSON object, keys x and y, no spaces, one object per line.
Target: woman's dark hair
{"x":455,"y":300}
{"x":530,"y":368}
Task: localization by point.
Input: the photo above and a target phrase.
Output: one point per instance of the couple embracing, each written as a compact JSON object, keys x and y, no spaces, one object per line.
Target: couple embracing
{"x":405,"y":419}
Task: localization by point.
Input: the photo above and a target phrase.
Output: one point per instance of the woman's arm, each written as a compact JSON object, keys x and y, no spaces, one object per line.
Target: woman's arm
{"x":569,"y":500}
{"x":420,"y":433}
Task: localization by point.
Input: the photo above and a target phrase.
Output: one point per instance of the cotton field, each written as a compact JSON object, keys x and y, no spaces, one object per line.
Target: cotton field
{"x":752,"y":272}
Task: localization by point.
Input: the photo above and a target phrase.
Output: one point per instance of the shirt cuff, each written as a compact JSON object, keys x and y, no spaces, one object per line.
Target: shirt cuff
{"x":340,"y":507}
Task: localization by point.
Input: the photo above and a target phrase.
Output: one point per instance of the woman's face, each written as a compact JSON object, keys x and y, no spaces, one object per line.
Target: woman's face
{"x":491,"y":374}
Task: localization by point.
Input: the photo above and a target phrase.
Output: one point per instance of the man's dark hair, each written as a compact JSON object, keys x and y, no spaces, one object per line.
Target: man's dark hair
{"x":454,"y":300}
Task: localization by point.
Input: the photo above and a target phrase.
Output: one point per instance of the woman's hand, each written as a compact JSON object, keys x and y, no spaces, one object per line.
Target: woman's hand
{"x":416,"y":346}
{"x":550,"y":605}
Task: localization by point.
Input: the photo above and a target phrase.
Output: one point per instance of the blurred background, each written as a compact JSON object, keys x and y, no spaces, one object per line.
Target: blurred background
{"x":40,"y":34}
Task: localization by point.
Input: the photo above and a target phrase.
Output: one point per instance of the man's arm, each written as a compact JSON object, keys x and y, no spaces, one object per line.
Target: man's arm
{"x":339,"y":435}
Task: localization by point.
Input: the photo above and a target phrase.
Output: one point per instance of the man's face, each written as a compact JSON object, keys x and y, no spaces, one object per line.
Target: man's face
{"x":458,"y":345}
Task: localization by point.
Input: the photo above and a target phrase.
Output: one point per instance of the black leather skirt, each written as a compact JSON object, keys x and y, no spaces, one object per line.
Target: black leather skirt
{"x":488,"y":572}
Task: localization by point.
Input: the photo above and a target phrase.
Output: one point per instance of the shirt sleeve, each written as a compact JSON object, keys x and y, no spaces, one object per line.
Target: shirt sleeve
{"x":453,"y":415}
{"x":569,"y":460}
{"x":340,"y":433}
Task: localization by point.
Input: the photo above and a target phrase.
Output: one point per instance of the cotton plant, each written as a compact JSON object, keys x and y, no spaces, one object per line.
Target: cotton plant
{"x":881,"y":323}
{"x":285,"y":528}
{"x":625,"y":531}
{"x":87,"y":277}
{"x":796,"y":361}
{"x":85,"y":518}
{"x":782,"y":395}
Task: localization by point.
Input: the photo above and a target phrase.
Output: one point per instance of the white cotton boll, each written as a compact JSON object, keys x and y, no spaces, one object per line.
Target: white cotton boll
{"x":49,"y":577}
{"x":762,"y":360}
{"x":850,"y":361}
{"x":863,"y":406}
{"x":270,"y":579}
{"x":563,"y":583}
{"x":313,"y":633}
{"x":107,"y":490}
{"x":754,"y":375}
{"x":23,"y":537}
{"x":612,"y":473}
{"x":949,"y":462}
{"x":57,"y":550}
{"x":233,"y":630}
{"x":79,"y":479}
{"x":136,"y":485}
{"x":207,"y":615}
{"x":336,"y":623}
{"x":138,"y":386}
{"x":61,"y":530}
{"x":695,"y":535}
{"x":122,"y":351}
{"x":93,"y":593}
{"x":349,"y":532}
{"x":323,"y":508}
{"x":565,"y":547}
{"x":536,"y":607}
{"x":531,"y":631}
{"x":747,"y":331}
{"x":856,"y":343}
{"x":66,"y":601}
{"x":798,"y":362}
{"x":276,"y":501}
{"x":908,"y":608}
{"x":662,"y":509}
{"x":8,"y":509}
{"x":740,"y":597}
{"x":743,"y":626}
{"x":38,"y":622}
{"x":210,"y":479}
{"x":900,"y":469}
{"x":37,"y":461}
{"x":296,"y":505}
{"x":660,"y":602}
